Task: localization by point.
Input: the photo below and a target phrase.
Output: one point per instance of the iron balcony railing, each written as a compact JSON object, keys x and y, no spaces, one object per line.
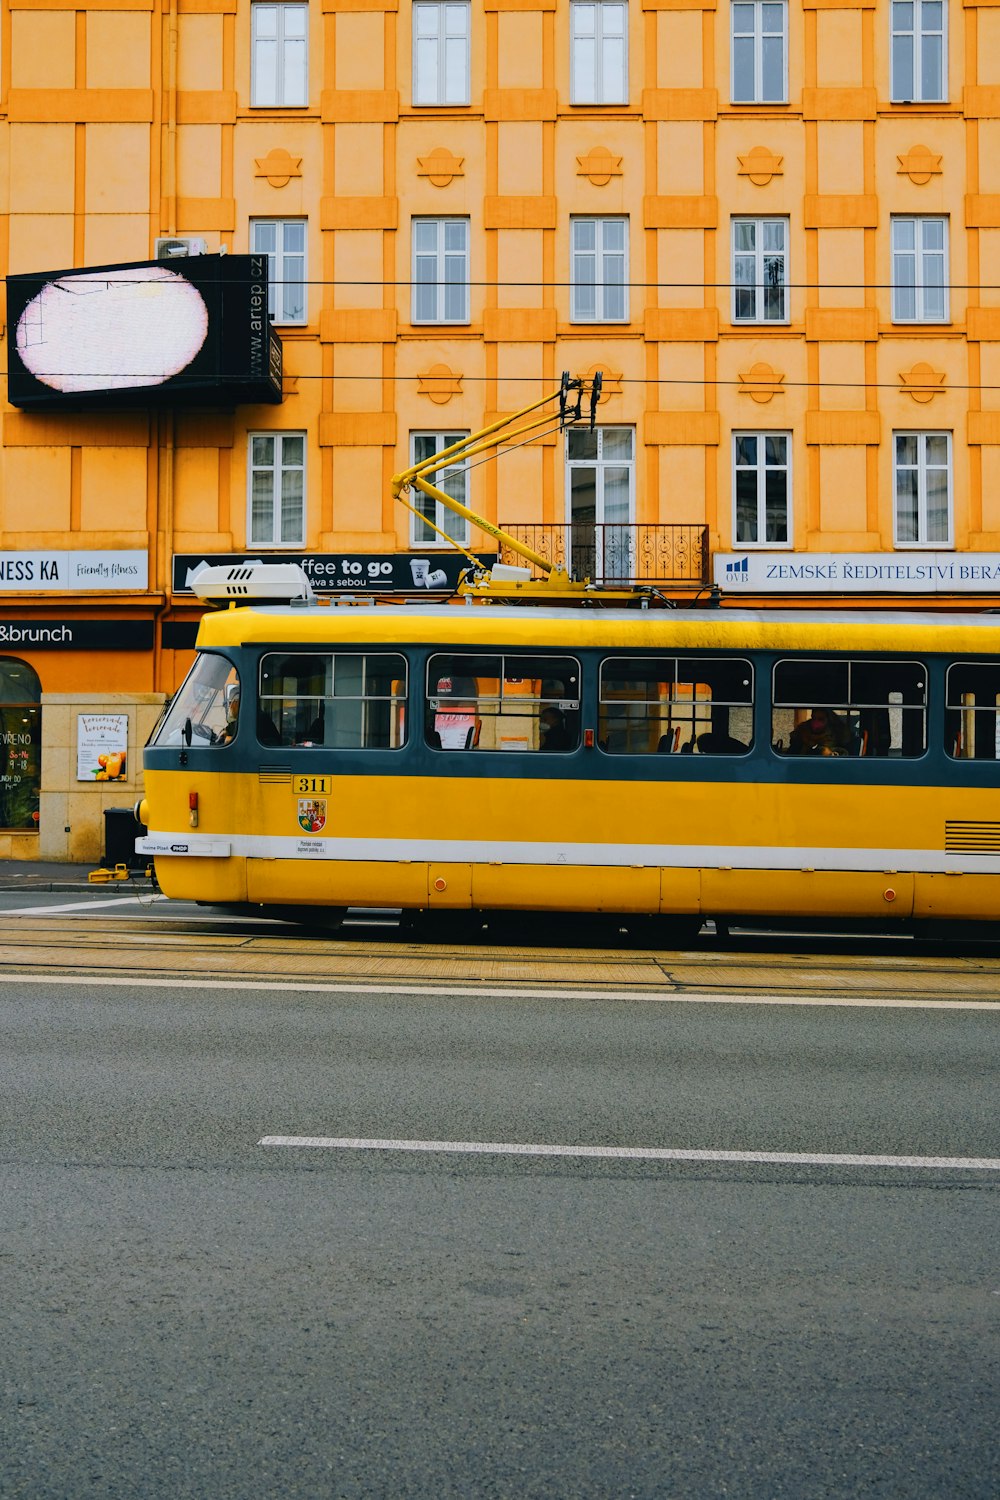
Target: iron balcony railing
{"x":618,"y":554}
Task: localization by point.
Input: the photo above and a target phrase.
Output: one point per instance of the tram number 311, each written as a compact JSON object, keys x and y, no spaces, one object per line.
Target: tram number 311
{"x":309,"y":786}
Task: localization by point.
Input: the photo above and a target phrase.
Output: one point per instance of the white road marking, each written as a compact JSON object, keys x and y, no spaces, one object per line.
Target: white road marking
{"x":98,"y":900}
{"x":491,"y":992}
{"x":632,"y":1153}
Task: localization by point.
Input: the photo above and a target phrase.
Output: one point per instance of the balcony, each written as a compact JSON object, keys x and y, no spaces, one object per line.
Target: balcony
{"x":619,"y":555}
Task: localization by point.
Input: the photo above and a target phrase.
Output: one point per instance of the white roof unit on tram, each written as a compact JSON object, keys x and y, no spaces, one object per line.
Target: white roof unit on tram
{"x":278,"y":582}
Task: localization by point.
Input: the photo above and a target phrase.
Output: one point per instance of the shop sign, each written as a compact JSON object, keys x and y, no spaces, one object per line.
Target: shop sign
{"x":76,"y":635}
{"x":73,"y":572}
{"x":857,"y":572}
{"x":101,"y":747}
{"x":339,"y":572}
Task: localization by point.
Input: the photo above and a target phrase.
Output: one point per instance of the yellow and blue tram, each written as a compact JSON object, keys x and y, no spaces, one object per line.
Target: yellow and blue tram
{"x":661,"y":762}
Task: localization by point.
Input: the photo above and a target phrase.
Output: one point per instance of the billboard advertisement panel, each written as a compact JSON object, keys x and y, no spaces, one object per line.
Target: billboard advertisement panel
{"x":189,"y":331}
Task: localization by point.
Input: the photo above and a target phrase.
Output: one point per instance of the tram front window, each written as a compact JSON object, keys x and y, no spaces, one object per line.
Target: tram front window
{"x":203,"y":706}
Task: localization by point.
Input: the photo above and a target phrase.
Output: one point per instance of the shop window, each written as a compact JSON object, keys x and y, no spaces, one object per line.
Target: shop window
{"x":673,"y":705}
{"x":503,"y":703}
{"x":20,"y":744}
{"x":849,"y":708}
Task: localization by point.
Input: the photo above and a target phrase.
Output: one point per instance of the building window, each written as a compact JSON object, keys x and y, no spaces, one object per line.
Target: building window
{"x":762,"y":488}
{"x":283,"y":241}
{"x":922,"y":489}
{"x":919,"y":270}
{"x":600,"y":477}
{"x":919,"y":53}
{"x":280,"y":77}
{"x":440,"y":270}
{"x":452,"y":480}
{"x":760,"y":270}
{"x":598,"y":52}
{"x":441,"y":52}
{"x":277,"y":465}
{"x":599,"y":270}
{"x":20,"y":744}
{"x":759,"y":55}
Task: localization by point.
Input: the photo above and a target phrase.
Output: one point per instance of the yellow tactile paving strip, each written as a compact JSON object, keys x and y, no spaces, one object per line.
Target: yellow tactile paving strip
{"x":128,"y":947}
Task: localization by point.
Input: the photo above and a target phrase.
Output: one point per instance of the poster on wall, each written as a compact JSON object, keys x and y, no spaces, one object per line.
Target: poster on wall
{"x":101,"y":747}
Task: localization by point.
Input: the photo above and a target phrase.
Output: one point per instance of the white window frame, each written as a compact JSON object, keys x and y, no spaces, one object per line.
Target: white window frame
{"x":759,"y":285}
{"x":763,"y":468}
{"x":922,"y":467}
{"x":759,"y":37}
{"x":456,"y":527}
{"x":910,"y":89}
{"x":605,"y":82}
{"x":441,"y":52}
{"x":283,"y":275}
{"x":921,"y":257}
{"x":598,"y":259}
{"x":441,"y":256}
{"x":277,"y":469}
{"x":262,"y":86}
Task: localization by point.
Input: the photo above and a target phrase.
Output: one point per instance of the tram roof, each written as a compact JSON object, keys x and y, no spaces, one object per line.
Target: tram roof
{"x":480,"y":626}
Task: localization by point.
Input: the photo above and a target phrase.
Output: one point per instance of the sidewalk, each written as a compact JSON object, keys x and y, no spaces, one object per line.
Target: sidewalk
{"x":41,"y":875}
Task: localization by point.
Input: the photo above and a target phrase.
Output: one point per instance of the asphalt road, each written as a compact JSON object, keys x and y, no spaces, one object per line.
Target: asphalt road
{"x":186,"y":1312}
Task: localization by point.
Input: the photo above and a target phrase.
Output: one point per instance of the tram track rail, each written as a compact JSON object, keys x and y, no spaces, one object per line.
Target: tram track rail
{"x":173,"y":949}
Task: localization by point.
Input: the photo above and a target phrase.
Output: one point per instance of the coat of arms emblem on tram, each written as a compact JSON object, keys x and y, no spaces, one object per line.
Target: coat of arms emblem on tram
{"x":312,"y":814}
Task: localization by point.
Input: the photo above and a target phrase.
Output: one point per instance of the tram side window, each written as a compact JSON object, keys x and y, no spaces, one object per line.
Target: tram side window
{"x":205,"y":706}
{"x":697,"y":705}
{"x":972,"y":711}
{"x":335,"y":700}
{"x":503,"y":702}
{"x":849,"y":708}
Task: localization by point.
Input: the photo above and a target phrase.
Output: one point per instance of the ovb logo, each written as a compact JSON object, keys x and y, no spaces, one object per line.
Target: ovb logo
{"x":738,"y":572}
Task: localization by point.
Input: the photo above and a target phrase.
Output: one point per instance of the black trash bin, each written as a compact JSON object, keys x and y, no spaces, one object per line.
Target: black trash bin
{"x":121,"y":829}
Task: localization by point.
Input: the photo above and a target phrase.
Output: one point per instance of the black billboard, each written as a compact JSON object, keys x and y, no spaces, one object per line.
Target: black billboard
{"x":418,"y":573}
{"x":188,"y":331}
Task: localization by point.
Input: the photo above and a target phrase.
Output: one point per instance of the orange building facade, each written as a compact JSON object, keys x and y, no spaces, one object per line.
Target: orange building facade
{"x":773,"y":224}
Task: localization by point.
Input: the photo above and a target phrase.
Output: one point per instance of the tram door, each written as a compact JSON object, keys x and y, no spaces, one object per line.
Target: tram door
{"x":601,"y":503}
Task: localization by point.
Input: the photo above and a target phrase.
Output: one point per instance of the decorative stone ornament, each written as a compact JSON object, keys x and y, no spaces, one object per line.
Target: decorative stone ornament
{"x":599,"y":165}
{"x":761,"y":382}
{"x":760,"y":165}
{"x":611,"y":382}
{"x":440,"y":166}
{"x":278,"y":167}
{"x":922,"y":382}
{"x":439,"y":384}
{"x":919,"y":165}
